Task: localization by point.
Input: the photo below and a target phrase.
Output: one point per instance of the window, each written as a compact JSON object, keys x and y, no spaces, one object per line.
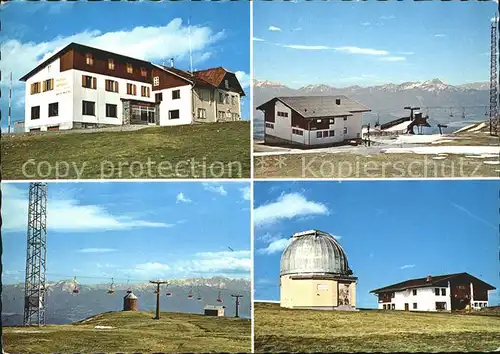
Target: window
{"x":130,"y":69}
{"x":443,"y":292}
{"x":145,"y":91}
{"x":440,"y":305}
{"x":88,"y":108}
{"x":325,"y":134}
{"x":143,"y":114}
{"x":436,"y":291}
{"x":345,"y":130}
{"x":89,"y":82}
{"x":35,"y":88}
{"x":332,"y":132}
{"x":48,"y":85}
{"x":332,"y":121}
{"x":88,"y":59}
{"x":159,"y":97}
{"x":144,"y":72}
{"x":53,"y":109}
{"x":35,"y":112}
{"x":221,"y":98}
{"x":282,"y":114}
{"x":111,"y":86}
{"x":111,"y":110}
{"x":319,"y":134}
{"x":270,"y":125}
{"x":235,"y":116}
{"x":202,"y":113}
{"x":227,"y":98}
{"x":318,"y":120}
{"x":226,"y":83}
{"x":414,"y":291}
{"x":176,"y":94}
{"x":414,"y":305}
{"x":393,"y":306}
{"x":156,"y":81}
{"x":297,"y":132}
{"x":173,"y":114}
{"x":111,"y":64}
{"x":221,"y":115}
{"x":131,"y":89}
{"x":345,"y":118}
{"x":384,"y":306}
{"x":233,"y":100}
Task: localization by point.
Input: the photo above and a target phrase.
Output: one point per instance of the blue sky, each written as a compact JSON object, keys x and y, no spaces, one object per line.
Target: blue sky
{"x":152,"y":31}
{"x":344,"y":43}
{"x":391,"y":230}
{"x":133,"y":230}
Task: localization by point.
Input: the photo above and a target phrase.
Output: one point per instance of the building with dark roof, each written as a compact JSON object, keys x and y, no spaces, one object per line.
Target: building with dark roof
{"x":447,"y":292}
{"x":312,"y":121}
{"x":81,"y":86}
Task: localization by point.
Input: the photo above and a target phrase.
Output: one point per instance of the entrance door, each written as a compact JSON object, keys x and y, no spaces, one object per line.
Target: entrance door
{"x":407,"y":307}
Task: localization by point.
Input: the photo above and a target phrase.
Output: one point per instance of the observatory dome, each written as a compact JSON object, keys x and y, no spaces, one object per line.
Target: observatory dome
{"x":314,"y":252}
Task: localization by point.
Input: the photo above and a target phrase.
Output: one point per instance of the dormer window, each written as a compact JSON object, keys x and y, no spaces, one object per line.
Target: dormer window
{"x":88,"y":59}
{"x":226,"y":83}
{"x":156,"y":81}
{"x":130,"y":69}
{"x":111,"y":64}
{"x":144,"y":72}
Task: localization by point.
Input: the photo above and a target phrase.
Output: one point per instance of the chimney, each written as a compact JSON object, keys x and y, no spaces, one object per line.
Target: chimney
{"x":171,"y":62}
{"x":337,"y":101}
{"x":428,"y":279}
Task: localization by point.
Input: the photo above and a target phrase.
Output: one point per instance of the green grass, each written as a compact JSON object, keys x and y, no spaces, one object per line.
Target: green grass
{"x":349,"y":165}
{"x":218,"y":150}
{"x":134,"y":332}
{"x":284,"y":330}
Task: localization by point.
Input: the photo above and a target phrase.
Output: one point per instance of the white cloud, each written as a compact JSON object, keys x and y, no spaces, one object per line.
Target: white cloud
{"x":390,"y":17}
{"x":287,"y":206}
{"x":97,"y":250}
{"x":358,"y":50}
{"x":245,"y":193}
{"x":440,"y":35}
{"x":276,"y":246}
{"x":243,"y":78}
{"x":214,"y":188}
{"x":274,"y":29}
{"x":393,"y":59}
{"x":148,"y":43}
{"x":151,"y":267}
{"x":306,"y":47}
{"x":365,"y":23}
{"x":297,"y":29}
{"x":257,"y":39}
{"x":406,"y":266}
{"x":65,"y":214}
{"x":407,"y":53}
{"x":181,"y":198}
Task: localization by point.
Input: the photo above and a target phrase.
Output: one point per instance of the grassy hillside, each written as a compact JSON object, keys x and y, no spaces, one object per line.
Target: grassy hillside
{"x":219,"y":150}
{"x":282,"y":330}
{"x":134,"y":332}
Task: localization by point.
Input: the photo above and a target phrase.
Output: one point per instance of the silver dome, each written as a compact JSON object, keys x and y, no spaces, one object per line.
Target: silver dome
{"x":314,"y":252}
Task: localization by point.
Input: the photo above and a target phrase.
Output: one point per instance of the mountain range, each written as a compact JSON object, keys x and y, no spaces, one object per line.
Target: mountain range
{"x":454,"y":105}
{"x":64,"y":306}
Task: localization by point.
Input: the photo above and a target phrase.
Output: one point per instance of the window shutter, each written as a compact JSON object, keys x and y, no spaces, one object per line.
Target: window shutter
{"x":44,"y":86}
{"x":115,"y":86}
{"x":94,"y":83}
{"x":32,"y":86}
{"x":134,"y":90}
{"x":83,"y":80}
{"x":51,"y":84}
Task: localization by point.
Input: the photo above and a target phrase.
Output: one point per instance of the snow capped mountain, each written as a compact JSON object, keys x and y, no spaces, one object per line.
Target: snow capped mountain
{"x":266,"y":83}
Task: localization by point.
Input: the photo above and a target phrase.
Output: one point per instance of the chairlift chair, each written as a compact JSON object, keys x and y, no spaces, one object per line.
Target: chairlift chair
{"x":75,"y":287}
{"x":111,"y":289}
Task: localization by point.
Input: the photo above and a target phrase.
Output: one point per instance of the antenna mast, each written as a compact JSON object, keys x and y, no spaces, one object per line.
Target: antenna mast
{"x":10,"y":103}
{"x":36,"y":254}
{"x":190,"y":49}
{"x":494,"y":79}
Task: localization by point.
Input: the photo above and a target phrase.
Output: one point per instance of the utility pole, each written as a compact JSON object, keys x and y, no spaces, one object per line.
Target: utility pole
{"x":158,"y":283}
{"x":10,"y":103}
{"x":237,"y":304}
{"x":494,"y":77}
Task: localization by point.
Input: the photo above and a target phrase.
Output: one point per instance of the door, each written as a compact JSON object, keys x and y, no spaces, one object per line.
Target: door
{"x":407,"y":307}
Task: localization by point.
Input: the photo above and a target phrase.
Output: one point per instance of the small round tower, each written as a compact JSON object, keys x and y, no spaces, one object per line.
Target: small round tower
{"x":130,"y":302}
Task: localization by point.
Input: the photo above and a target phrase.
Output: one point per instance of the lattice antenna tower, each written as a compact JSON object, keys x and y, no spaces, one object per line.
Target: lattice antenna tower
{"x":494,"y":77}
{"x":36,"y":254}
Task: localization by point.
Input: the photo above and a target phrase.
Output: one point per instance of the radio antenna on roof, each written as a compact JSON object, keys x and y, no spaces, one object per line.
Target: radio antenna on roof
{"x":190,"y":49}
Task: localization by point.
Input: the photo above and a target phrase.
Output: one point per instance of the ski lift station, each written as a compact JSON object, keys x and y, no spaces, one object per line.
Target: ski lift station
{"x":212,"y":310}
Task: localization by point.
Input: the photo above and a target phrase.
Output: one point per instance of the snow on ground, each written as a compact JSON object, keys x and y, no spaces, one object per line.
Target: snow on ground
{"x":491,"y":162}
{"x":104,"y":327}
{"x":413,"y":139}
{"x":459,"y":150}
{"x":439,"y":157}
{"x":467,"y":127}
{"x":442,"y":141}
{"x":479,"y":127}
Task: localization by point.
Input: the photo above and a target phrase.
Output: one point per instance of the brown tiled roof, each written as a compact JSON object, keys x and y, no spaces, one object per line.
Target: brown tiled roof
{"x":213,"y":76}
{"x":424,"y":282}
